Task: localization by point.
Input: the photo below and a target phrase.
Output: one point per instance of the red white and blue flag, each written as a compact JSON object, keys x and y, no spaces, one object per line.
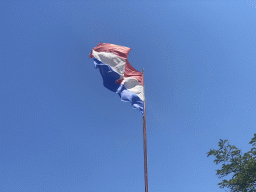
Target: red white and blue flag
{"x":118,"y":74}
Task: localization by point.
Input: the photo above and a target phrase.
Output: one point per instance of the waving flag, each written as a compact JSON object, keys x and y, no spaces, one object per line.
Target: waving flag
{"x":118,"y":74}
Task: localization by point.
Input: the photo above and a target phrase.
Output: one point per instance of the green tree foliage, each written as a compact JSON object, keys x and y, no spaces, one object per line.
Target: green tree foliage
{"x":242,"y":167}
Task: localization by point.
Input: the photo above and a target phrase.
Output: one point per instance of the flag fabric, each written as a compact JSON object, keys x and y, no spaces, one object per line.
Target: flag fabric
{"x":118,"y":74}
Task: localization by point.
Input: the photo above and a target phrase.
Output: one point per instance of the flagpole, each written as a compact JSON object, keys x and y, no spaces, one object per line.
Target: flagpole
{"x":145,"y":139}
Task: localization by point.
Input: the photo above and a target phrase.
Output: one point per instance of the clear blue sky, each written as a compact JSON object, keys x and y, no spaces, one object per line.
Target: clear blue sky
{"x":61,"y":130}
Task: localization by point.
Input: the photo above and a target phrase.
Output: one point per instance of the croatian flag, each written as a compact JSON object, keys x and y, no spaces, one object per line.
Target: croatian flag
{"x":118,"y":74}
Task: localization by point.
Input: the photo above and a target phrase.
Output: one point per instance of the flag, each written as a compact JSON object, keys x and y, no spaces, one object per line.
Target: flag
{"x":118,"y":75}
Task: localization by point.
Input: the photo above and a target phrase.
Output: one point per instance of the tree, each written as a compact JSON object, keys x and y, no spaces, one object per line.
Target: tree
{"x":243,"y":167}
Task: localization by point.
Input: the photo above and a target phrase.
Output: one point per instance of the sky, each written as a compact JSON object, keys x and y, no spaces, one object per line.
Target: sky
{"x":61,"y":130}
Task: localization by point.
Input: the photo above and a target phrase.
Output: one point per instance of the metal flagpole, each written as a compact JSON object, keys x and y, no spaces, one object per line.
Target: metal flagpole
{"x":145,"y":139}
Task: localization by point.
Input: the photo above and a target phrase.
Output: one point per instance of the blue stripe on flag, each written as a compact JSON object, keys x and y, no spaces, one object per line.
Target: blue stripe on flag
{"x":129,"y":96}
{"x":109,"y":76}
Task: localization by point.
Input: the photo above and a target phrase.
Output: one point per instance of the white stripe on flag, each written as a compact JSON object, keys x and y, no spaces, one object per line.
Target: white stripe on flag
{"x":117,"y":64}
{"x":134,"y":86}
